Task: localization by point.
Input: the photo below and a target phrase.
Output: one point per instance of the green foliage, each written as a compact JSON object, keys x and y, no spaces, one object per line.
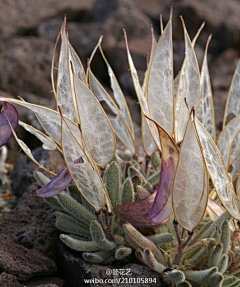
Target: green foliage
{"x":199,"y":259}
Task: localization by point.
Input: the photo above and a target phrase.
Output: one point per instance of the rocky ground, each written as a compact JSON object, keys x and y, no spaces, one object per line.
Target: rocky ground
{"x":30,"y":252}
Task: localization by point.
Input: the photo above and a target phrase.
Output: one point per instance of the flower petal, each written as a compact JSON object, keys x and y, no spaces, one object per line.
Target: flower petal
{"x":11,"y":113}
{"x":162,"y":206}
{"x":60,"y":182}
{"x":137,"y":212}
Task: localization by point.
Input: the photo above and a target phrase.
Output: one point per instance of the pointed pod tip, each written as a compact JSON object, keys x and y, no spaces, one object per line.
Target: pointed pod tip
{"x":124,"y":31}
{"x":64,"y":22}
{"x":171,"y":12}
{"x":183,"y":23}
{"x":192,"y":114}
{"x":88,"y":64}
{"x":100,"y":40}
{"x":20,"y":98}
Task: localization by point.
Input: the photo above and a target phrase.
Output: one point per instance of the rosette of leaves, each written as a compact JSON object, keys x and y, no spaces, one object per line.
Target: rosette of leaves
{"x":100,"y":235}
{"x":199,"y":176}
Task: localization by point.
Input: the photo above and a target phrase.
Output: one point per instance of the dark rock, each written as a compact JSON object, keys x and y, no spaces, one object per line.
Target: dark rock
{"x":222,"y":69}
{"x":120,"y":12}
{"x":127,"y":14}
{"x":83,"y":36}
{"x":28,"y":76}
{"x":221,"y":20}
{"x":118,"y":57}
{"x":45,"y":282}
{"x":22,"y":175}
{"x":154,"y":8}
{"x":22,"y":262}
{"x":8,"y":280}
{"x":75,"y":270}
{"x":31,"y":223}
{"x":25,"y":15}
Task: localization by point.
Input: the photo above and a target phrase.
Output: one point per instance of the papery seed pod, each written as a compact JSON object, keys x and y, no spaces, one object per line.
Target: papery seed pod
{"x":176,"y":276}
{"x":216,"y":280}
{"x":137,"y":240}
{"x":77,"y":244}
{"x":154,"y":178}
{"x":69,"y":224}
{"x":99,"y":237}
{"x":96,"y":257}
{"x":225,"y":236}
{"x":161,"y":238}
{"x":142,"y":192}
{"x":202,"y":275}
{"x":127,"y":193}
{"x":75,"y":209}
{"x":151,"y":261}
{"x":111,"y":179}
{"x":215,"y":256}
{"x":223,"y":264}
{"x":122,"y":251}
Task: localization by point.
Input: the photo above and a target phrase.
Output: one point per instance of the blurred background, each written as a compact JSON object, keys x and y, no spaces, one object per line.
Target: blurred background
{"x":28,"y":30}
